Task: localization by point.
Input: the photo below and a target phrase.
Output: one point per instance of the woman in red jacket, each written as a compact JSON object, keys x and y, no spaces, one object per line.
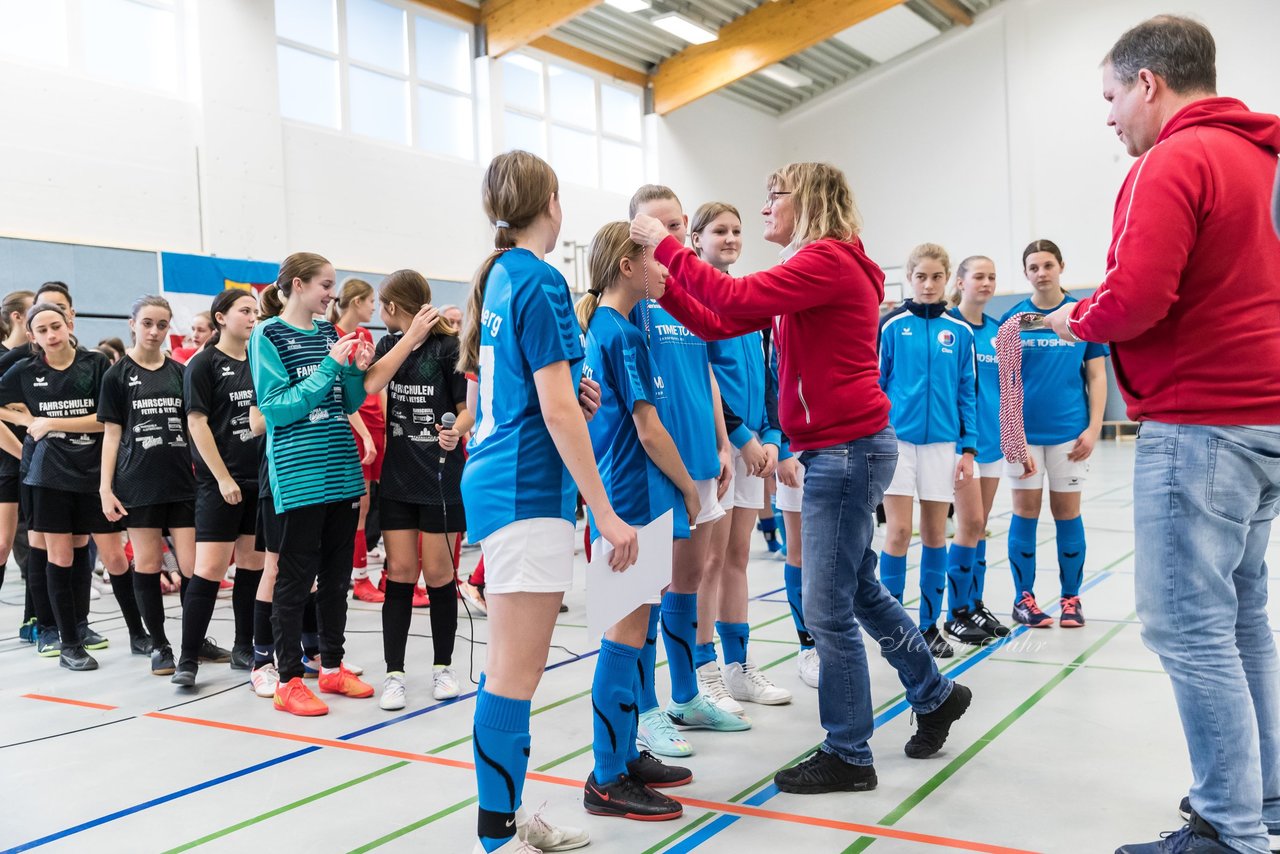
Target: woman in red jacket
{"x":823,"y":303}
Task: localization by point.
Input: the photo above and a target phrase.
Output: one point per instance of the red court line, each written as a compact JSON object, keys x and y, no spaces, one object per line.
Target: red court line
{"x":84,"y":703}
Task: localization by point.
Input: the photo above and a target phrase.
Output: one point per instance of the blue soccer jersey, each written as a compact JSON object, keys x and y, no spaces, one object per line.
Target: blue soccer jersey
{"x":988,"y":373}
{"x":618,"y":359}
{"x":680,"y":358}
{"x":514,"y":471}
{"x":1055,"y":406}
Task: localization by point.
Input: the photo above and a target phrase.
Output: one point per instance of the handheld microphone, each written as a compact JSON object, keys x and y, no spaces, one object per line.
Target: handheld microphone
{"x":446,"y":421}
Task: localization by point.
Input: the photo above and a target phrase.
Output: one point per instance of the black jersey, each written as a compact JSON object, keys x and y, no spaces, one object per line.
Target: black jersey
{"x":222,"y":388}
{"x":9,"y":358}
{"x":153,"y":465}
{"x":60,"y":460}
{"x":424,"y":388}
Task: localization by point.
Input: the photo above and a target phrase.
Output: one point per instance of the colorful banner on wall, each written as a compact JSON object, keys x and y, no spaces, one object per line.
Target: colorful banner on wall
{"x":190,"y":282}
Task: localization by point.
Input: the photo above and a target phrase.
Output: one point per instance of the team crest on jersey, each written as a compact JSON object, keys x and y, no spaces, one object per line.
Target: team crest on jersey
{"x":317,"y":415}
{"x":133,"y":380}
{"x":227,"y":372}
{"x":39,"y":382}
{"x":947,"y":338}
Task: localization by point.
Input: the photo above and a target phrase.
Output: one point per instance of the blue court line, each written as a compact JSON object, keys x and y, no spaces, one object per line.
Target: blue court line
{"x":770,"y":791}
{"x":207,"y":784}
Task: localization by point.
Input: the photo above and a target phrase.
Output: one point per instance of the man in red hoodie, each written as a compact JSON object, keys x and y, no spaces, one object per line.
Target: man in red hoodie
{"x":1191,"y":306}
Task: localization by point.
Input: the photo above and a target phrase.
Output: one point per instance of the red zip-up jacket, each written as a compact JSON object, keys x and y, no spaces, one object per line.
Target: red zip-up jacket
{"x":824,"y":304}
{"x":1191,"y":298}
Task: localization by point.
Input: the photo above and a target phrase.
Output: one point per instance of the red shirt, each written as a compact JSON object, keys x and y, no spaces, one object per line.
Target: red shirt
{"x":1191,"y":299}
{"x":371,"y":410}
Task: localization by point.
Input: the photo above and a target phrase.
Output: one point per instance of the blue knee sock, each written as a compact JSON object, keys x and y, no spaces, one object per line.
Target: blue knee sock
{"x":703,"y":653}
{"x":733,"y":640}
{"x":679,"y":633}
{"x":1071,"y":550}
{"x":980,"y":570}
{"x":647,"y":693}
{"x":613,"y":701}
{"x":893,"y":574}
{"x":960,"y":562}
{"x":1022,"y":555}
{"x":793,"y":577}
{"x":500,"y":744}
{"x":933,"y":583}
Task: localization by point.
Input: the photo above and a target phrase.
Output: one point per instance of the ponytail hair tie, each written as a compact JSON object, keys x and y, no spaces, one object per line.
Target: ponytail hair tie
{"x":595,"y":293}
{"x":501,"y":223}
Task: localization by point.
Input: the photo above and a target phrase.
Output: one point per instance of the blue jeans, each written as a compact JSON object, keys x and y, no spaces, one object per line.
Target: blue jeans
{"x":842,"y":486}
{"x":1205,"y":498}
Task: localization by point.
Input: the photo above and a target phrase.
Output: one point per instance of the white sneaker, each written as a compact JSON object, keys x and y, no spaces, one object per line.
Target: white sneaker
{"x":444,"y":683}
{"x":515,"y":845}
{"x":356,"y":670}
{"x":94,"y":593}
{"x":264,"y":680}
{"x":746,"y":684}
{"x":475,"y":599}
{"x":392,"y":692}
{"x":655,"y":733}
{"x":807,"y":664}
{"x":541,"y":835}
{"x":711,"y":683}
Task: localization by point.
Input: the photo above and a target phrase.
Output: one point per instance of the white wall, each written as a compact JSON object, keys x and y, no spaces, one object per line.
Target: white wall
{"x":996,"y":135}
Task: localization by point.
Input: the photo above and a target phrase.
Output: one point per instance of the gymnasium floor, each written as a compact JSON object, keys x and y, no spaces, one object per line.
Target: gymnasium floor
{"x":1071,"y":744}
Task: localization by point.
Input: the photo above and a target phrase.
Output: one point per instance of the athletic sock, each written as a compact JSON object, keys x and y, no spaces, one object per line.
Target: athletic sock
{"x":1071,"y":549}
{"x":500,"y":742}
{"x":893,"y":574}
{"x":28,"y":604}
{"x":146,"y":589}
{"x":980,"y":570}
{"x":310,"y":628}
{"x":38,"y":585}
{"x":360,"y":557}
{"x":122,"y":587}
{"x":62,"y":596}
{"x":933,"y":583}
{"x":197,"y":611}
{"x":397,"y":614}
{"x":960,"y":560}
{"x":647,"y":692}
{"x":703,"y":653}
{"x":82,"y":581}
{"x":244,"y":590}
{"x":264,"y":643}
{"x":679,"y":635}
{"x":733,"y":640}
{"x":1022,"y":555}
{"x":793,"y":578}
{"x":444,"y":621}
{"x":613,"y":701}
{"x":183,"y":584}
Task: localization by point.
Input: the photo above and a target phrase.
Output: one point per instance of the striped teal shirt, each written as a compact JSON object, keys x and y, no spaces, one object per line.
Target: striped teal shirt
{"x":305,"y":398}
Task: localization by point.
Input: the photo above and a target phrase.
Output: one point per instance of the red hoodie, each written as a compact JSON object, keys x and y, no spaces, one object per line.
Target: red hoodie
{"x":1191,"y":299}
{"x":824,"y":304}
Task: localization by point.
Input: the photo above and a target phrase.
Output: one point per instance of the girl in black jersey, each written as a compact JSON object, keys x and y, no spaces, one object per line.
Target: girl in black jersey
{"x":58,"y":384}
{"x":226,"y":429}
{"x":146,"y":477}
{"x":13,"y":312}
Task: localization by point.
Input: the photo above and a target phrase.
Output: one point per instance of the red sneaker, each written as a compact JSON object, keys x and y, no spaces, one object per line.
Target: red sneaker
{"x":296,"y":699}
{"x":1072,"y":616}
{"x":344,"y":682}
{"x":420,"y":598}
{"x":364,"y":590}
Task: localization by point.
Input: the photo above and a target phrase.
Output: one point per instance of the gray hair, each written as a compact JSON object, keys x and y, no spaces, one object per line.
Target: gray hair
{"x":1178,"y":50}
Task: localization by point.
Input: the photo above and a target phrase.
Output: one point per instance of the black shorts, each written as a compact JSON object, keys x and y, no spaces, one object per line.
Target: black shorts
{"x":220,"y":522}
{"x":167,"y":516}
{"x":10,"y":488}
{"x":56,"y":511}
{"x":270,"y":529}
{"x":396,"y":515}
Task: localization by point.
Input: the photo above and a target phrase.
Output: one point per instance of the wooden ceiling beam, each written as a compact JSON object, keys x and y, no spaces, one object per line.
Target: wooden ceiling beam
{"x":959,"y":15}
{"x":587,"y":59}
{"x":512,"y":24}
{"x":454,"y":9}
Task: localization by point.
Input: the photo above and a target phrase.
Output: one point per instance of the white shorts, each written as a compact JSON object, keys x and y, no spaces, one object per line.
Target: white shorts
{"x":927,"y":472}
{"x":746,"y":490}
{"x":995,"y":469}
{"x":790,"y":499}
{"x":1064,"y":474}
{"x":711,"y":509}
{"x":529,"y":556}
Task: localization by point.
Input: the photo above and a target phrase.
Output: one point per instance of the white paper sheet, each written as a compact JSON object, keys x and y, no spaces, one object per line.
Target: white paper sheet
{"x":613,"y":595}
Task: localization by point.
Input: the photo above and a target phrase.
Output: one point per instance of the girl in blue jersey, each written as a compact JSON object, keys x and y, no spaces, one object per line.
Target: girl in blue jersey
{"x":927,"y":370}
{"x":529,"y":448}
{"x":644,"y":477}
{"x":1064,"y":395}
{"x":975,"y":283}
{"x":308,"y":380}
{"x":695,"y":420}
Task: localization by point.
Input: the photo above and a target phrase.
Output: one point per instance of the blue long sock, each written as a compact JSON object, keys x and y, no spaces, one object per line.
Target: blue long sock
{"x":933,"y":583}
{"x":613,"y":702}
{"x":500,"y":744}
{"x":1071,"y":549}
{"x":893,"y":574}
{"x":647,"y":693}
{"x":980,"y":570}
{"x":680,"y":634}
{"x":960,"y":563}
{"x":1022,"y":555}
{"x":793,"y":577}
{"x":733,"y":640}
{"x":703,"y":653}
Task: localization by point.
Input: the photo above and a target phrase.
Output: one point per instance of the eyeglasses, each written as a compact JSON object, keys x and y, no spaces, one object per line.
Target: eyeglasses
{"x":773,"y":197}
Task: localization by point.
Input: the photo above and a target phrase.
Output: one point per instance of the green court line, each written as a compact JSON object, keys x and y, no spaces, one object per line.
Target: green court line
{"x":1147,"y":670}
{"x":410,"y":828}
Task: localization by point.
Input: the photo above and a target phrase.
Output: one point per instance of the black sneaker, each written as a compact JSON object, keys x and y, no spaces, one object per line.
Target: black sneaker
{"x":140,"y":644}
{"x":211,"y":653}
{"x":242,"y":656}
{"x":1184,"y":809}
{"x":162,"y":661}
{"x":49,"y":643}
{"x":985,"y":620}
{"x":965,"y":630}
{"x":627,"y":797}
{"x":651,"y":771}
{"x":1198,"y":837}
{"x":185,"y":675}
{"x":825,"y":772}
{"x":91,"y":639}
{"x":75,"y":658}
{"x":932,"y":728}
{"x":937,"y":643}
